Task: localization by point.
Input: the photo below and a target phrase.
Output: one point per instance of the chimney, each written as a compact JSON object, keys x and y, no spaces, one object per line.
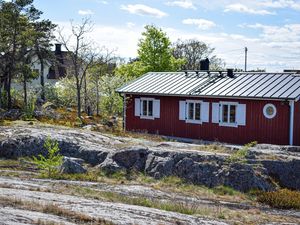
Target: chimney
{"x":230,"y":73}
{"x":204,"y":64}
{"x":57,"y":48}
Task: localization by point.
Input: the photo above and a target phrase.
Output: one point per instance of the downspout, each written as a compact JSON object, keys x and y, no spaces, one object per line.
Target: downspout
{"x":292,"y":107}
{"x":124,"y":111}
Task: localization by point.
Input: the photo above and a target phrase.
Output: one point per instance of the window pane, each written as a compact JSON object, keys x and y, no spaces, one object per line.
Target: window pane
{"x":144,"y":109}
{"x":150,"y":108}
{"x":197,"y":111}
{"x":225,"y":114}
{"x":232,"y":113}
{"x":191,"y":111}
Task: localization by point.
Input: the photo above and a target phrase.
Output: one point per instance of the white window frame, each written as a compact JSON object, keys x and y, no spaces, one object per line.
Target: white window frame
{"x":228,"y":124}
{"x":265,"y":111}
{"x":141,"y":109}
{"x":187,"y":120}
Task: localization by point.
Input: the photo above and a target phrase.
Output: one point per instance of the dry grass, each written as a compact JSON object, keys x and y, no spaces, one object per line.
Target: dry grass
{"x":282,"y":199}
{"x":50,"y":208}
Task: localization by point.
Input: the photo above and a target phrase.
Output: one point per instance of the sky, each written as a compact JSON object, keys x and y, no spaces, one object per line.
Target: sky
{"x":270,"y":29}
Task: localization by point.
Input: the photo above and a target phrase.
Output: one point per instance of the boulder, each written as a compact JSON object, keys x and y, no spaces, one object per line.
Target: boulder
{"x":12,"y":114}
{"x":131,"y":158}
{"x":159,"y":167}
{"x":70,"y":166}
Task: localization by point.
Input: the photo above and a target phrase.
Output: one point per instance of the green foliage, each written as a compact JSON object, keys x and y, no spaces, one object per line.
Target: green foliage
{"x":155,"y":51}
{"x":28,"y":111}
{"x":240,"y":155}
{"x":111,"y":102}
{"x":154,"y":55}
{"x":131,"y":70}
{"x":224,"y":190}
{"x":49,"y":165}
{"x":282,"y":199}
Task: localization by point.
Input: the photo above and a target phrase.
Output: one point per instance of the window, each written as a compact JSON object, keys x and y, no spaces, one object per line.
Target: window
{"x":194,"y":111}
{"x":147,"y":107}
{"x":269,"y":111}
{"x":228,"y":112}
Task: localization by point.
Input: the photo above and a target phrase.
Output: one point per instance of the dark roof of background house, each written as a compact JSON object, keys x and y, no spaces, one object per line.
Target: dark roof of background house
{"x":215,"y":84}
{"x":61,"y":63}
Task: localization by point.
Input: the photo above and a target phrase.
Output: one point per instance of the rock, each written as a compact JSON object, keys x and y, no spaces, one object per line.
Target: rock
{"x":211,"y":169}
{"x":159,"y":167}
{"x":131,"y":158}
{"x":70,"y":166}
{"x":12,"y":114}
{"x":49,"y":105}
{"x":245,"y":177}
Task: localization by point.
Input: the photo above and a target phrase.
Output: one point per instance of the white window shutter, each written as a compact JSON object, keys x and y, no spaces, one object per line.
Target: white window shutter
{"x":205,"y":112}
{"x":241,"y":114}
{"x":156,"y":108}
{"x":215,"y":113}
{"x":137,"y":107}
{"x":182,"y":105}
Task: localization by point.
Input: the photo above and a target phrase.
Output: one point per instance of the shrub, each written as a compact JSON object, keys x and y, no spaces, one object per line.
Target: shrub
{"x":49,"y":165}
{"x":282,"y":199}
{"x":240,"y":155}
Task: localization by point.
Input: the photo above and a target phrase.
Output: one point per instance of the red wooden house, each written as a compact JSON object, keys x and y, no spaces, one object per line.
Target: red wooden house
{"x":215,"y":106}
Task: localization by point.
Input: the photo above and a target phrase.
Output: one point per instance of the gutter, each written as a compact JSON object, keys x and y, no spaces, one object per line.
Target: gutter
{"x":292,"y":109}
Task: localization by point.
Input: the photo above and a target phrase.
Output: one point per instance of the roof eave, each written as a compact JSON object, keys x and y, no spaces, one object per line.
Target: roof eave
{"x":209,"y":96}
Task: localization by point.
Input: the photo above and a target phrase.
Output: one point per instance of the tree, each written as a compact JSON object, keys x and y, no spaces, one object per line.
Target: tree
{"x":42,"y":46}
{"x":155,"y":51}
{"x":49,"y":165}
{"x":154,"y":55}
{"x":104,"y":65}
{"x":19,"y":19}
{"x":81,"y":52}
{"x":15,"y":17}
{"x":194,"y":51}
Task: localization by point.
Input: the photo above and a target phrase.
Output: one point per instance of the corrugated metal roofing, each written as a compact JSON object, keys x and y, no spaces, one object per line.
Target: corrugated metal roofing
{"x":214,"y":84}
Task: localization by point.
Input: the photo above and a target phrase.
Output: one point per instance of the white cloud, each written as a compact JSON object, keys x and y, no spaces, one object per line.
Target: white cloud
{"x":274,"y":54}
{"x":130,"y":25}
{"x":200,"y":23}
{"x":187,"y":4}
{"x":85,"y":12}
{"x":238,"y":7}
{"x":281,"y":4}
{"x":143,"y":10}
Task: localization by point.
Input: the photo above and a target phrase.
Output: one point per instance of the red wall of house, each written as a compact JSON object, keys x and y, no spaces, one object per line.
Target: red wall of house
{"x":258,"y":128}
{"x":297,"y":124}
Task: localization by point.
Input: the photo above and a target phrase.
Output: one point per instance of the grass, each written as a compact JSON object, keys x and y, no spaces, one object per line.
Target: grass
{"x":282,"y":199}
{"x":53,"y":209}
{"x":240,"y":155}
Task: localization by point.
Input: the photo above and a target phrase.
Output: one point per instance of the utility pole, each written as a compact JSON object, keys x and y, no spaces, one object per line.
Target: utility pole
{"x":246,"y":51}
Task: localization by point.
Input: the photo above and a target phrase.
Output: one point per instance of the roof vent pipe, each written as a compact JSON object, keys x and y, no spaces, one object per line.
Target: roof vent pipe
{"x":230,"y":73}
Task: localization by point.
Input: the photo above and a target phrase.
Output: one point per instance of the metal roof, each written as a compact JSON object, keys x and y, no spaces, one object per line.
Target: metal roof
{"x":217,"y":84}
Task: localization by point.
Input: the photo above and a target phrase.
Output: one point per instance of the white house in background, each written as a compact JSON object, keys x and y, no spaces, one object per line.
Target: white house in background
{"x":53,"y":70}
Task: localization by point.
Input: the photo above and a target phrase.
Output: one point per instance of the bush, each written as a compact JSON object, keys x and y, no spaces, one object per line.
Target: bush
{"x":240,"y":155}
{"x":49,"y":166}
{"x":282,"y":199}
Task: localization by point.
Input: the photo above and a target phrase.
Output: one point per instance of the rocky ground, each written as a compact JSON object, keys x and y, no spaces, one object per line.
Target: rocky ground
{"x":139,"y":202}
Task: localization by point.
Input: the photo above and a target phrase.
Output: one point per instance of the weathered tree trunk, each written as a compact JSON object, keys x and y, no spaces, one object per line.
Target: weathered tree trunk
{"x":25,"y":90}
{"x":85,"y":96}
{"x":8,"y":91}
{"x":78,"y":100}
{"x":42,"y":79}
{"x":97,"y":97}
